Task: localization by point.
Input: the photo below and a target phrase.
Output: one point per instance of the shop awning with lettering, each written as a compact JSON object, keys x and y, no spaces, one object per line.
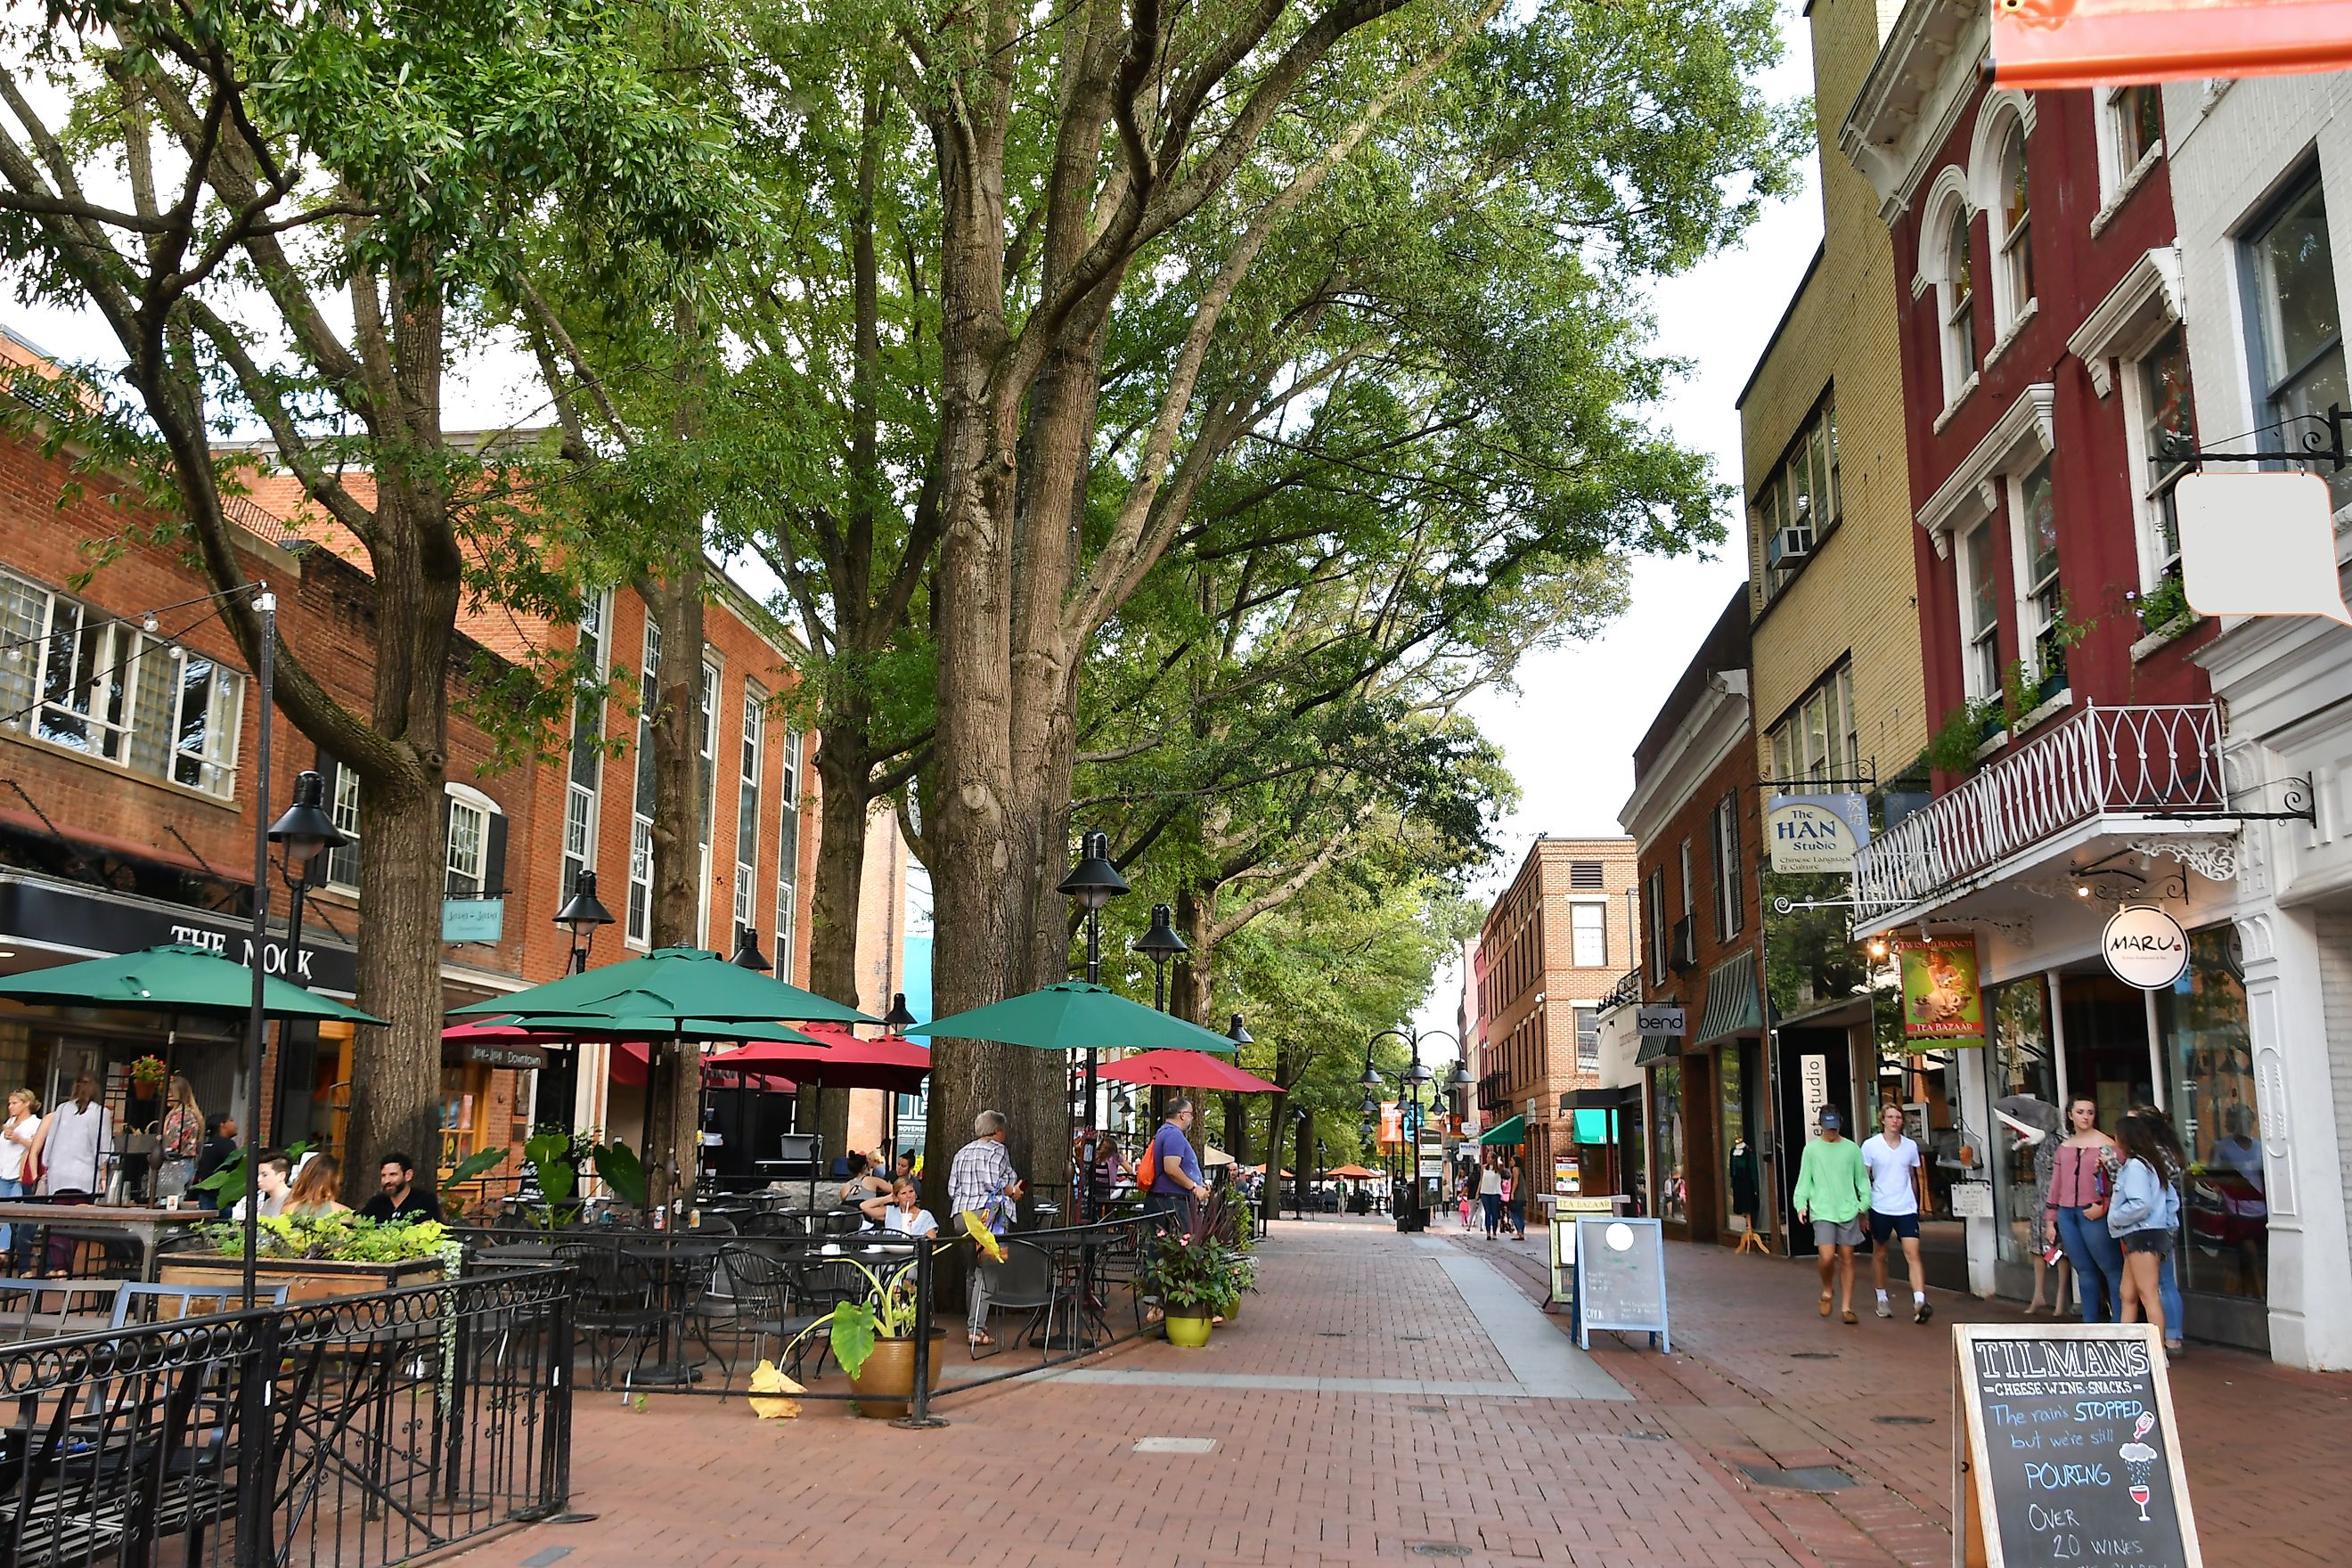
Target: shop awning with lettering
{"x":1733,"y":1004}
{"x":2094,"y":43}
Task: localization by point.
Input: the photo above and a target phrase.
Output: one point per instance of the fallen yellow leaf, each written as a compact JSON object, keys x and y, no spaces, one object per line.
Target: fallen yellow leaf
{"x":767,"y":1378}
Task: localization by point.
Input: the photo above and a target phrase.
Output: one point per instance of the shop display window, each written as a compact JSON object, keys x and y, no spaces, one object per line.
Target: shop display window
{"x":2208,"y":1074}
{"x":1668,"y":1143}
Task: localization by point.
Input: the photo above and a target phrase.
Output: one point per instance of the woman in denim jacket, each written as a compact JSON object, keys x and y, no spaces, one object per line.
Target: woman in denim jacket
{"x":2145,"y":1216}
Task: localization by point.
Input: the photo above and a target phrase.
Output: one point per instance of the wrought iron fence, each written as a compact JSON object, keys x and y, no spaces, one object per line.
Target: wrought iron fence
{"x":2163,"y":760}
{"x":356,"y":1431}
{"x":1626,"y":992}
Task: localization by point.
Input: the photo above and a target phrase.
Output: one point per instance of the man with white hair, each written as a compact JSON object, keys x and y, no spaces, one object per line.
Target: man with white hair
{"x":981,"y":1181}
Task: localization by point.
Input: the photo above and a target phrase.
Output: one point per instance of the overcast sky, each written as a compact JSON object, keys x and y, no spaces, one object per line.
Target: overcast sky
{"x":1569,"y":731}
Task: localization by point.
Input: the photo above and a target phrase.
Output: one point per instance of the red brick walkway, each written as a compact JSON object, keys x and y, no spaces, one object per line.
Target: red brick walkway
{"x":1045,"y":1473}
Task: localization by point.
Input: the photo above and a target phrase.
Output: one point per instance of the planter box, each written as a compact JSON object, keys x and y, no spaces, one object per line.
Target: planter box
{"x":305,"y":1279}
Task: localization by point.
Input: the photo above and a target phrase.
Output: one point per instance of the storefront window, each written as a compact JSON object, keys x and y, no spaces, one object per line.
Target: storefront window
{"x":1666,"y":1141}
{"x":460,"y":1099}
{"x":1739,"y":1195}
{"x":2021,"y":1066}
{"x":2208,"y":1068}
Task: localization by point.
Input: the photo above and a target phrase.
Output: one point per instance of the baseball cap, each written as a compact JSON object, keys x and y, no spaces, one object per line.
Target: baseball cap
{"x":1831,"y":1119}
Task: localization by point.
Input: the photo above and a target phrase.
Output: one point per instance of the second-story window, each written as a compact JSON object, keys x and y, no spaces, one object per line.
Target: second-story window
{"x":2014,"y":242}
{"x":1801,"y":503}
{"x":638,"y":931}
{"x":1817,"y":739}
{"x":343,"y":805}
{"x":1588,"y":926}
{"x":587,"y":764}
{"x":747,"y":806}
{"x":1654,"y":916}
{"x":2041,"y":600}
{"x":1587,"y":1040}
{"x":2299,"y":336}
{"x":1957,"y":298}
{"x":788,"y":852}
{"x":1979,"y":613}
{"x":2168,"y":424}
{"x":1730,"y":890}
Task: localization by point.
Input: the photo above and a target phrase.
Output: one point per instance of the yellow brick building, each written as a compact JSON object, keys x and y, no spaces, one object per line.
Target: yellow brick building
{"x":1837,"y":684}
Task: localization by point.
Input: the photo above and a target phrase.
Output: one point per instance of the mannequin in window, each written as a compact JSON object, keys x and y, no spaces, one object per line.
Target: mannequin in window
{"x":1740,"y":1181}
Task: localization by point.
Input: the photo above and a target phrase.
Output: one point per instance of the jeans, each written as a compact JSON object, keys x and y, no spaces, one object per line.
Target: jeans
{"x":2098,"y":1262}
{"x":2168,"y":1290}
{"x":1492,"y":1203}
{"x":8,"y":1189}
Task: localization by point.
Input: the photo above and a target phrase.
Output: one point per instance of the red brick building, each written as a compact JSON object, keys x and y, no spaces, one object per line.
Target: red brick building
{"x":1694,"y":816}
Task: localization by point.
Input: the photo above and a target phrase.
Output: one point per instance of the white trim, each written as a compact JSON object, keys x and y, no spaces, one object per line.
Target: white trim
{"x":1718,"y":724}
{"x":2021,"y":437}
{"x":1951,"y":186}
{"x":2141,"y":308}
{"x":1993,"y":116}
{"x":473,"y":798}
{"x":1923,"y":81}
{"x":2000,"y":115}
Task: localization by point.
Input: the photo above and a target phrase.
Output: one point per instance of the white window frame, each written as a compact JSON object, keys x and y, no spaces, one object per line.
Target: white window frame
{"x":788,"y":851}
{"x":1578,"y":909}
{"x":2159,"y":529}
{"x":751,"y":763}
{"x":466,"y":804}
{"x":1980,"y":611}
{"x":343,"y":808}
{"x":1816,"y":738}
{"x":707,"y":701}
{"x":582,"y":796}
{"x":2271,"y":382}
{"x":1585,"y":1018}
{"x":2006,"y":119}
{"x":1949,"y":268}
{"x":1654,"y":921}
{"x":1808,"y":472}
{"x":637,"y":930}
{"x":1730,"y":876}
{"x":2121,"y":168}
{"x":2039,"y":599}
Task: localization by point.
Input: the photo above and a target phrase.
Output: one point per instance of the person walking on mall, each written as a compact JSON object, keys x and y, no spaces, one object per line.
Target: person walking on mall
{"x":2144,"y":1218}
{"x":2082,"y":1181}
{"x":1514,"y":1198}
{"x":1832,"y":1189}
{"x":1894,"y":1167}
{"x":1490,"y":1194}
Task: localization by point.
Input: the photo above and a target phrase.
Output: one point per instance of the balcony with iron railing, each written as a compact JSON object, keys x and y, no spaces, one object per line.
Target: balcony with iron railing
{"x":2156,"y":763}
{"x":1626,"y":992}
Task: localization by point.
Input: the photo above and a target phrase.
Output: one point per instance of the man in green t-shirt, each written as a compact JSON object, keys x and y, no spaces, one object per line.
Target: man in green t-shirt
{"x":1833,"y":1191}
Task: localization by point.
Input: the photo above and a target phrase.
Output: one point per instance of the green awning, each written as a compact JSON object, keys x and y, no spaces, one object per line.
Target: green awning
{"x":1515,"y":1131}
{"x":1656,"y":1048}
{"x":1733,"y":1004}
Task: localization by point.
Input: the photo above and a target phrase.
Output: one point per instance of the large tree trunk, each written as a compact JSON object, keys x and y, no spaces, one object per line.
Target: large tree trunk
{"x":674,"y":1085}
{"x":1277,"y":1111}
{"x":396,"y":1071}
{"x":842,"y":771}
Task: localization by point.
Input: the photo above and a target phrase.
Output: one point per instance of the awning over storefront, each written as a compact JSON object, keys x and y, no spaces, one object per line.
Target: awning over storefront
{"x":1515,"y":1131}
{"x":1600,"y":1098}
{"x":1733,"y":1004}
{"x":1656,"y":1048}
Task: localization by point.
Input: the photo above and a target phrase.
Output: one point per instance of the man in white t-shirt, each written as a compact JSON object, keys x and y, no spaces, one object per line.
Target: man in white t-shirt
{"x":1893,"y":1163}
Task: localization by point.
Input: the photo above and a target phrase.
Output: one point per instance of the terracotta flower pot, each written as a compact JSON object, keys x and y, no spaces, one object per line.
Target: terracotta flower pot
{"x":1188,"y":1330}
{"x":887,"y":1382}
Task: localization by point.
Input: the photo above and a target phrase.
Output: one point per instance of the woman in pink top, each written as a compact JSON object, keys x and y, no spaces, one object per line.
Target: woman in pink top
{"x":2081,"y":1182}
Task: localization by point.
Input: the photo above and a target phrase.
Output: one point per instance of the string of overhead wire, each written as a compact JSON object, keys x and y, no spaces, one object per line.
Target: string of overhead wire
{"x":146,"y":624}
{"x":145,"y":620}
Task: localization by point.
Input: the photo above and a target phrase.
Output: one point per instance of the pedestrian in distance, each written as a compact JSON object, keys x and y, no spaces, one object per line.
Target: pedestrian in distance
{"x":2082,"y":1181}
{"x":2145,"y":1216}
{"x":981,"y":1181}
{"x":1894,"y":1167}
{"x":1515,"y":1199}
{"x":1832,"y":1189}
{"x":1490,"y":1194}
{"x":1463,"y":1193}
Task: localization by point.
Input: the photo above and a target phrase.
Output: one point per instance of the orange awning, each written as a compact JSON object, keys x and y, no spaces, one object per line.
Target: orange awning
{"x":2091,"y":43}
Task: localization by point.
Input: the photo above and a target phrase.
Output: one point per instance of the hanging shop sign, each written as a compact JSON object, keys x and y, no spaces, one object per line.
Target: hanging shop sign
{"x":1816,"y":832}
{"x":2094,"y":43}
{"x":2144,"y":947}
{"x":1941,"y":998}
{"x":473,"y":920}
{"x":1670,"y":1022}
{"x":93,"y":921}
{"x":1391,"y":1121}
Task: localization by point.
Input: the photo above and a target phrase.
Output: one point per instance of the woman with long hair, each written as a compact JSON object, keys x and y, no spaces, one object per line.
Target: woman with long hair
{"x":314,"y":1192}
{"x":2082,"y":1181}
{"x":183,"y":1138}
{"x":2145,"y":1218}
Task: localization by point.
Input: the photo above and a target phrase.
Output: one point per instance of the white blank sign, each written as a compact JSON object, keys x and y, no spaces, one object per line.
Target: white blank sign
{"x":2259,"y":544}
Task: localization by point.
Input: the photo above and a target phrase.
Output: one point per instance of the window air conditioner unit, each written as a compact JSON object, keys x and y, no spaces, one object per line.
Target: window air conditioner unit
{"x":1788,"y":547}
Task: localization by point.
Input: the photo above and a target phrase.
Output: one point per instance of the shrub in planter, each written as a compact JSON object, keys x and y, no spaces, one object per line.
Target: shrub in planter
{"x":873,"y":1338}
{"x":1201,"y":1269}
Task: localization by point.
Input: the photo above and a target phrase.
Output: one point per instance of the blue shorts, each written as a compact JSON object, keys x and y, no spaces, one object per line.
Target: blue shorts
{"x":1882,"y":1226}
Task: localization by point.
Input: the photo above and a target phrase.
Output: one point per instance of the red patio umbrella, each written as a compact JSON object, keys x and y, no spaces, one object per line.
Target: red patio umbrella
{"x":1187,"y":1069}
{"x":890,"y":1062}
{"x":628,"y":1068}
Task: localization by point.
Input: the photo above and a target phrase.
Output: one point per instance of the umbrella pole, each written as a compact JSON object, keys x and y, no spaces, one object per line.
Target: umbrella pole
{"x":266,"y":603}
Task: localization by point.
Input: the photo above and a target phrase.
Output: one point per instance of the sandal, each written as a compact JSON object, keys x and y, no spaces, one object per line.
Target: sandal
{"x":1826,"y":1303}
{"x":1847,"y":1316}
{"x":981,"y":1341}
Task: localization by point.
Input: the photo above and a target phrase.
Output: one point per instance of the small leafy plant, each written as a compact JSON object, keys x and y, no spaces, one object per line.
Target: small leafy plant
{"x":887,"y":1313}
{"x":2162,"y":608}
{"x":147,"y":1071}
{"x":1202,"y":1267}
{"x":335,"y":1238}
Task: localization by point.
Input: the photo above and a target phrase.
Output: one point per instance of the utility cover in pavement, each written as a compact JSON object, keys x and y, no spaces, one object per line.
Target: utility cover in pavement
{"x":1440,"y":1549}
{"x":1805,"y":1478}
{"x":1176,"y":1445}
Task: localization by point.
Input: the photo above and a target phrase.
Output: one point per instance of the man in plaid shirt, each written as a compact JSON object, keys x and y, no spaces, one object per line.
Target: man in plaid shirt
{"x":982,"y":1181}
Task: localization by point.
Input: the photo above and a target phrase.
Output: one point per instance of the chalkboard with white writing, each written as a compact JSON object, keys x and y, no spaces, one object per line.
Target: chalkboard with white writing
{"x":2068,"y":1451}
{"x":1620,"y":1278}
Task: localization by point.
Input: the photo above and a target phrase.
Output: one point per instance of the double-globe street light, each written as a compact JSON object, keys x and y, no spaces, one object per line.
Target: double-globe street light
{"x":1411,"y":1083}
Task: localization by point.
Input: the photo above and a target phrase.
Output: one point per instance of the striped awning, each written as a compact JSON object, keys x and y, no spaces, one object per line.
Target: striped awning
{"x":1656,"y":1048}
{"x":1734,"y":1003}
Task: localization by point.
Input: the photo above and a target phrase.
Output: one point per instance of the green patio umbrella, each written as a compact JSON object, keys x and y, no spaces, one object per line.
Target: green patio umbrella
{"x":637,"y":1026}
{"x":173,"y":978}
{"x":681,"y":982}
{"x":1076,"y":1017}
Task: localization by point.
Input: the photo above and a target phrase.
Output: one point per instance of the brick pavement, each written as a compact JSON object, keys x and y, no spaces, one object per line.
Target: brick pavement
{"x":1043,"y":1473}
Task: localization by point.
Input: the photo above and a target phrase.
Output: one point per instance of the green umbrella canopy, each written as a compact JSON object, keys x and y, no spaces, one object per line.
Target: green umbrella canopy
{"x":173,"y":978}
{"x":1075,"y":1016}
{"x":632,"y":1025}
{"x":683,"y":982}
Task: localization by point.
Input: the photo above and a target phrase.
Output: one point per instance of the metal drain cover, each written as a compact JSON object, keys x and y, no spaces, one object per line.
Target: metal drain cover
{"x":1805,"y":1478}
{"x":1175,"y":1445}
{"x":1329,"y":1334}
{"x":1412,"y":1339}
{"x":1426,"y":1409}
{"x":1440,"y":1549}
{"x":1812,"y":1355}
{"x":1647,"y":1436}
{"x":1905,"y":1420}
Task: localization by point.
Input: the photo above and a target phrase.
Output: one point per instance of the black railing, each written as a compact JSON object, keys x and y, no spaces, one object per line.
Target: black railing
{"x":1626,"y":992}
{"x":356,"y":1431}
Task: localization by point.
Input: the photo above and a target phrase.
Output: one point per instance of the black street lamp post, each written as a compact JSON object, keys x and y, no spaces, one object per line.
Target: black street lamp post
{"x":304,"y":832}
{"x":1092,"y":882}
{"x":1163,"y":945}
{"x":581,"y":915}
{"x":1410,"y":1085}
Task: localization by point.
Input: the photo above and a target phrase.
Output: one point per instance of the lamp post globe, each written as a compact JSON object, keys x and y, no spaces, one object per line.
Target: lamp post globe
{"x":747,"y":950}
{"x":1162,"y":943}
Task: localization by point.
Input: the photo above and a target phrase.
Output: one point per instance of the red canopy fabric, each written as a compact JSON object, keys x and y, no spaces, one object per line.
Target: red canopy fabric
{"x":628,"y":1068}
{"x":1186,"y":1069}
{"x":890,"y":1062}
{"x":1353,"y":1174}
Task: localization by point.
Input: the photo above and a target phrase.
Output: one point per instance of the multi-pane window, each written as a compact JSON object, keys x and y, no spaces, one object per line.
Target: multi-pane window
{"x":1817,"y":740}
{"x":84,"y":681}
{"x":1588,"y":934}
{"x":1979,"y":612}
{"x":707,"y":778}
{"x":1799,"y":504}
{"x":469,"y":857}
{"x":746,"y":807}
{"x":639,"y":927}
{"x":343,"y":805}
{"x":1654,"y":922}
{"x":787,"y":849}
{"x":1587,"y":1040}
{"x":2299,"y":331}
{"x":2138,"y":116}
{"x":2040,"y":598}
{"x":587,"y":764}
{"x":1730,"y":892}
{"x":1957,"y":294}
{"x":2016,"y":242}
{"x":2168,"y":429}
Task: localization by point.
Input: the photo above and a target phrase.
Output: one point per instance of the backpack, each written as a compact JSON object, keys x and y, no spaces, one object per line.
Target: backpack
{"x":1146,"y":1170}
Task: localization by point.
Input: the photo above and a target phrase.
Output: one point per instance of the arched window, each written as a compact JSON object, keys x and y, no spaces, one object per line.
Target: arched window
{"x":1959,"y":306}
{"x":2014,"y":241}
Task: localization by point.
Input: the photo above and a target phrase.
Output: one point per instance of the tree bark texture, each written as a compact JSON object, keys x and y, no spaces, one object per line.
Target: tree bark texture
{"x":671,"y":1144}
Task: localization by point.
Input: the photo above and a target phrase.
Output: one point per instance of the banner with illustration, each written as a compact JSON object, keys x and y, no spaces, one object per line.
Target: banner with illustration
{"x":2094,"y":43}
{"x":1941,"y":998}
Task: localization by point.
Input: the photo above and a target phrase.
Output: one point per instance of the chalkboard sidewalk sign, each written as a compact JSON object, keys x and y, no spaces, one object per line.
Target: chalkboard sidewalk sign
{"x":1620,"y":1278}
{"x":2066,"y":1450}
{"x":1564,"y":1213}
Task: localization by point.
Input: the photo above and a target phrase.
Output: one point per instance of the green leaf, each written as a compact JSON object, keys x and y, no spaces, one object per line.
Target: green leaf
{"x":853,"y":1331}
{"x":619,"y":1167}
{"x":480,"y":1163}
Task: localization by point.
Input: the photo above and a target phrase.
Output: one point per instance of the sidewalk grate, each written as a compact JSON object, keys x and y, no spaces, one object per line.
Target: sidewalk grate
{"x":1812,"y":1355}
{"x":1804,"y":1479}
{"x":1440,"y":1549}
{"x":1426,"y":1409}
{"x":1647,"y":1436}
{"x":1905,"y":1420}
{"x":1175,"y":1445}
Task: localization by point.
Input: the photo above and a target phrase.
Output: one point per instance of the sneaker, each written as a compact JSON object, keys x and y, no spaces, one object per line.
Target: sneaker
{"x":1884,"y":1309}
{"x":1922,"y":1311}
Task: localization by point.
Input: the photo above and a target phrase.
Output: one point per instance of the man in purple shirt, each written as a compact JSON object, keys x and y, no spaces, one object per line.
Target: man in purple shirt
{"x":1175,"y":1177}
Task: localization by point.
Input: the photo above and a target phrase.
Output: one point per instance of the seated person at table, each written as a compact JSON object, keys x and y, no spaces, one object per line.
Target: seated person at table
{"x":314,"y":1192}
{"x":864,"y":1182}
{"x":902,"y":1211}
{"x":400,"y":1200}
{"x":276,"y":1172}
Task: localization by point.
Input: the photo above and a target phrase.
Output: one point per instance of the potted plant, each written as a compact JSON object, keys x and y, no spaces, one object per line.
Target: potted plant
{"x":319,"y":1257}
{"x":874,"y":1340}
{"x":1196,"y":1273}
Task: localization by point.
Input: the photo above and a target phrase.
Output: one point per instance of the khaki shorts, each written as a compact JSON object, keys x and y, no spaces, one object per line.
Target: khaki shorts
{"x":1838,"y":1232}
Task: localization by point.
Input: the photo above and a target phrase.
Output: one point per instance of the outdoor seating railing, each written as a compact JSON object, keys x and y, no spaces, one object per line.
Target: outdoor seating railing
{"x":352,"y":1432}
{"x":2149,"y":760}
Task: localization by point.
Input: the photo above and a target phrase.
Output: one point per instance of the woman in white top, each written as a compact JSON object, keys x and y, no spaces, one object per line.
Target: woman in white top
{"x":19,"y":1132}
{"x":902,"y":1211}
